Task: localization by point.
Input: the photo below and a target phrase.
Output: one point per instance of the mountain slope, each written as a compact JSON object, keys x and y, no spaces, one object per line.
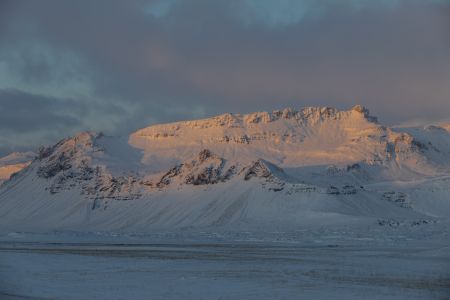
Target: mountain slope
{"x":285,"y":169}
{"x":13,"y":163}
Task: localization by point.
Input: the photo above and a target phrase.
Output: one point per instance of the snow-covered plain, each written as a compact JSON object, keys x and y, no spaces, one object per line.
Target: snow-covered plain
{"x":310,"y":203}
{"x":340,"y":263}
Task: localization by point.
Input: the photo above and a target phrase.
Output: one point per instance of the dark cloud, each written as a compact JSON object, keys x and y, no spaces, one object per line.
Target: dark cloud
{"x":132,"y":63}
{"x":20,"y":111}
{"x":30,"y":120}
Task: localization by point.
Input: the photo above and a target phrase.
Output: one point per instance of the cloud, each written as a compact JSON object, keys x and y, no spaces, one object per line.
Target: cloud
{"x":21,"y":111}
{"x":119,"y":65}
{"x":30,"y":120}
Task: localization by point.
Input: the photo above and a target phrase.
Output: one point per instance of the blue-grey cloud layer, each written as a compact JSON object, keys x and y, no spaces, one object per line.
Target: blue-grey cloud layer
{"x":119,"y":65}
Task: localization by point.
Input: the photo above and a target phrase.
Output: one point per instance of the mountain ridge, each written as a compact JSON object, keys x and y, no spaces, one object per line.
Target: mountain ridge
{"x":234,"y":170}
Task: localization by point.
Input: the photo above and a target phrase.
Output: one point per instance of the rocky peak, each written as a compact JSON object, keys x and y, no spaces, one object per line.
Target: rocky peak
{"x":365,"y":112}
{"x":204,"y":155}
{"x":68,"y":153}
{"x":262,"y":169}
{"x":208,"y":168}
{"x":230,"y":120}
{"x":361,"y":109}
{"x":80,"y":143}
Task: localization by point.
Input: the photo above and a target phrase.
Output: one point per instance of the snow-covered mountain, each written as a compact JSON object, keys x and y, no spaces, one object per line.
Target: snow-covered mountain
{"x":285,"y":169}
{"x":13,"y":163}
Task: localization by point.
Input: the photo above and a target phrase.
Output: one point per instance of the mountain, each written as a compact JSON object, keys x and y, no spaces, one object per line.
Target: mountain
{"x":13,"y":163}
{"x":445,"y":126}
{"x":316,"y":166}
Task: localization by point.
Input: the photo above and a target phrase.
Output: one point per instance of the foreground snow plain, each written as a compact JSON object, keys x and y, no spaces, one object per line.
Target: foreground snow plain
{"x":376,"y":262}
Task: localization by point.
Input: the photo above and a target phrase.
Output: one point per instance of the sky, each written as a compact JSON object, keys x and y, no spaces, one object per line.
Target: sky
{"x":116,"y":66}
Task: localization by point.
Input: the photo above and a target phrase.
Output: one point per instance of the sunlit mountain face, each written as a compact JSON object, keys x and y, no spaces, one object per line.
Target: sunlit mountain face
{"x":231,"y":170}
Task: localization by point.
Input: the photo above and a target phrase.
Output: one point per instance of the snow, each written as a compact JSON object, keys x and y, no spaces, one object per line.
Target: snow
{"x":287,"y":138}
{"x":294,"y":203}
{"x":17,"y":157}
{"x":314,"y":264}
{"x":285,"y":169}
{"x":14,"y":163}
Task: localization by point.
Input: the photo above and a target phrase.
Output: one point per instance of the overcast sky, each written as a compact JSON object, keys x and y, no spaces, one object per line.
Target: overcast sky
{"x":116,"y":66}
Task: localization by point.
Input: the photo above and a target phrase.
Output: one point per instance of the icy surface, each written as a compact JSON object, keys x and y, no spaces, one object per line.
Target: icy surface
{"x":400,"y":262}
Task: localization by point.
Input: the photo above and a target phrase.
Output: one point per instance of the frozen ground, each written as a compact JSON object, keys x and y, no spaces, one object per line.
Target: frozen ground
{"x":372,"y":263}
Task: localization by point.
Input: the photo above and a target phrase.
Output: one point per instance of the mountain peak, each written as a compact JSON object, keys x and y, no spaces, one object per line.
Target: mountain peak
{"x":318,"y":132}
{"x":227,"y":167}
{"x":361,"y":109}
{"x":231,"y":120}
